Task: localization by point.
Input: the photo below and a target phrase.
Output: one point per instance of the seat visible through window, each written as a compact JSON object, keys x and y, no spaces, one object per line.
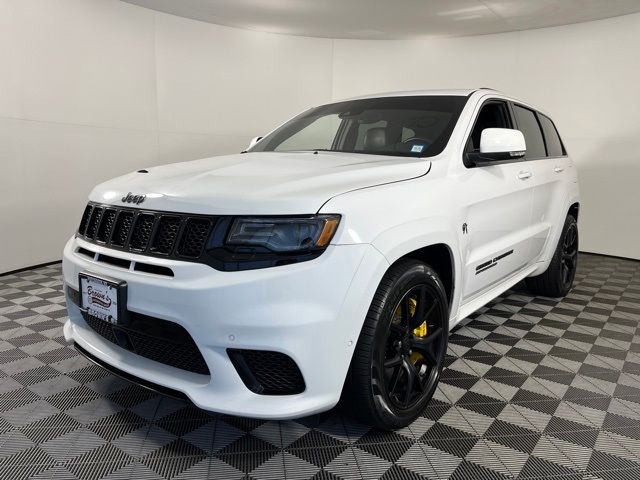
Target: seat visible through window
{"x":492,"y":115}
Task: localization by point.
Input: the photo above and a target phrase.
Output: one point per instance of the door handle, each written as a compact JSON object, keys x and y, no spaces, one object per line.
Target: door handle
{"x":558,"y":169}
{"x":524,"y":175}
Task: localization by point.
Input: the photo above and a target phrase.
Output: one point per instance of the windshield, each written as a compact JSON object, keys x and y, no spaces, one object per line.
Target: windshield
{"x":417,"y":126}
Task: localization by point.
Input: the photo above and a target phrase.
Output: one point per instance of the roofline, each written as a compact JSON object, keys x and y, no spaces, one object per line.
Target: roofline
{"x":483,"y":91}
{"x":457,"y":92}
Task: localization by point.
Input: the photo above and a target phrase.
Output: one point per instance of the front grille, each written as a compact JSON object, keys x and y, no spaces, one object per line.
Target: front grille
{"x":266,"y":372}
{"x":152,"y":338}
{"x":161,"y":234}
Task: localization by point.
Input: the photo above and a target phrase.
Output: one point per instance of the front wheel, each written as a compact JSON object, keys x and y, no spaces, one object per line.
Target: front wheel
{"x":557,"y":280}
{"x":400,"y":353}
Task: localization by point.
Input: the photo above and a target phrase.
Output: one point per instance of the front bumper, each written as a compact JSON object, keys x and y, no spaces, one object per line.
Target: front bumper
{"x":312,"y":312}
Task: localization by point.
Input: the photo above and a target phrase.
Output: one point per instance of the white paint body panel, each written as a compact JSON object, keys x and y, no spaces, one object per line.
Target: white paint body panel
{"x":313,"y":311}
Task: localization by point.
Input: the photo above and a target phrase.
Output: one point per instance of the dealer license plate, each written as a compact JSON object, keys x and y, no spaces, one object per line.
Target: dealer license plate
{"x":103,"y":298}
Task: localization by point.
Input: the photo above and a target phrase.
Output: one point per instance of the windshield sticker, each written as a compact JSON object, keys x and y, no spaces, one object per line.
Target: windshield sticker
{"x":417,"y":148}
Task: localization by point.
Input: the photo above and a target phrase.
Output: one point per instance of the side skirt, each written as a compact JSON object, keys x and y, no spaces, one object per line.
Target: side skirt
{"x":484,"y":298}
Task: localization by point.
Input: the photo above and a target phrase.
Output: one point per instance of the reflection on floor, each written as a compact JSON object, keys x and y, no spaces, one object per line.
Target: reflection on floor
{"x":534,"y":387}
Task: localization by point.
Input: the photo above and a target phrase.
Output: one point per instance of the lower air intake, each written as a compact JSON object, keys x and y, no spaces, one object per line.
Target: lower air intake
{"x":159,"y":340}
{"x":266,"y":372}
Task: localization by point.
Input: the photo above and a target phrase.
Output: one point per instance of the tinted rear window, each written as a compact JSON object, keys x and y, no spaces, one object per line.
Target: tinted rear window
{"x":528,"y":125}
{"x":554,"y":144}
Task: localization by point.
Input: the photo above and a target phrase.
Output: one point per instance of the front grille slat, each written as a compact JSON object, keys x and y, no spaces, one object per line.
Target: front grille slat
{"x":166,"y":235}
{"x":154,"y":233}
{"x":85,"y":219}
{"x":194,"y":237}
{"x":122,"y":228}
{"x":142,"y":231}
{"x":94,"y":222}
{"x":106,"y":225}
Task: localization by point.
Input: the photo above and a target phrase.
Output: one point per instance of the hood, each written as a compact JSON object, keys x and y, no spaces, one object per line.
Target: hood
{"x":258,"y":183}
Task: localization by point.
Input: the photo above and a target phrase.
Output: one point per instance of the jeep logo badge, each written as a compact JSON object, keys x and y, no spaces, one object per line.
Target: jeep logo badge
{"x":131,"y":198}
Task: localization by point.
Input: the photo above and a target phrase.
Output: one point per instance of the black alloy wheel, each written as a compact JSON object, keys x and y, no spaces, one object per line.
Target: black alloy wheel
{"x":413,"y":349}
{"x":569,"y":259}
{"x":400,"y":353}
{"x":556,"y":281}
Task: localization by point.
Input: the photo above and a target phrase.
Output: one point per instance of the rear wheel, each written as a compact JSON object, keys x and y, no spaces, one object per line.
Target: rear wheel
{"x":399,"y":356}
{"x":557,"y":280}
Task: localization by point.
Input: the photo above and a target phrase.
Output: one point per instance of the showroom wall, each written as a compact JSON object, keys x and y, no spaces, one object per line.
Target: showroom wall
{"x":90,"y":89}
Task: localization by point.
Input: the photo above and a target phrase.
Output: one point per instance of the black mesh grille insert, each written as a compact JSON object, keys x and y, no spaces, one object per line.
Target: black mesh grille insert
{"x":142,"y":231}
{"x":122,"y":229}
{"x":94,"y":222}
{"x":267,"y":372}
{"x":153,"y":233}
{"x":159,"y":340}
{"x":166,"y":235}
{"x":85,"y":219}
{"x":108,"y":219}
{"x":194,"y":237}
{"x":101,"y":327}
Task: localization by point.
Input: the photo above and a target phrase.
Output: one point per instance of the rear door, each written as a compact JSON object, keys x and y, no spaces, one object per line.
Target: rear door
{"x":550,"y":169}
{"x":498,"y":199}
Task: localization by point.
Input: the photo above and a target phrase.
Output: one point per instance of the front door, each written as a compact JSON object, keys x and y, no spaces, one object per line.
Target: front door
{"x":498,"y":201}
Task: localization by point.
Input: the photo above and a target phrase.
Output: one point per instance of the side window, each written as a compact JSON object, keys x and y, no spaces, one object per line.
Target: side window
{"x":493,"y":114}
{"x":554,"y":144}
{"x":528,"y":125}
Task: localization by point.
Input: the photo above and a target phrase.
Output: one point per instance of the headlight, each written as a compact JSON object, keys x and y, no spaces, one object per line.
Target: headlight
{"x":283,"y":234}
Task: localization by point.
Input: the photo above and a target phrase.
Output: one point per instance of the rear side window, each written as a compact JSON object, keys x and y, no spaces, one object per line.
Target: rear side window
{"x":554,"y":144}
{"x":529,"y":126}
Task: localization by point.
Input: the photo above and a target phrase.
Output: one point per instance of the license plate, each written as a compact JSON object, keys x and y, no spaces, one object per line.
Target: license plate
{"x":103,"y":298}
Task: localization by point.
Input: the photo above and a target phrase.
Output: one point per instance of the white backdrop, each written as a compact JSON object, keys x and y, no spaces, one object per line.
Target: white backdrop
{"x":90,"y":89}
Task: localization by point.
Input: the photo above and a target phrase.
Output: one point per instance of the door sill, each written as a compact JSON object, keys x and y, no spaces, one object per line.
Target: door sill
{"x":475,"y":303}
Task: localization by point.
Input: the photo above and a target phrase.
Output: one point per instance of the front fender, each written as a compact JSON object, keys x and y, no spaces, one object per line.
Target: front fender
{"x":400,"y":240}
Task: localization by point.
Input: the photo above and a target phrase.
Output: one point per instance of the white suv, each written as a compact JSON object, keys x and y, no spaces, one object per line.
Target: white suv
{"x":329,"y":260}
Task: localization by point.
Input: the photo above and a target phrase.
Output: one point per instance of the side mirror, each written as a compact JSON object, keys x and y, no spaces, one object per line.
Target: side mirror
{"x":254,"y":140}
{"x":499,"y":145}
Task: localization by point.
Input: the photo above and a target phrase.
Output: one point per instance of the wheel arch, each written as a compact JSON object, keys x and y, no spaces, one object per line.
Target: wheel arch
{"x":439,"y":257}
{"x":574,"y":210}
{"x":438,"y":248}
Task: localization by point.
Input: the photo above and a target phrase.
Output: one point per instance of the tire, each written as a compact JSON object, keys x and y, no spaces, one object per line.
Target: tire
{"x":396,"y":366}
{"x":557,"y":280}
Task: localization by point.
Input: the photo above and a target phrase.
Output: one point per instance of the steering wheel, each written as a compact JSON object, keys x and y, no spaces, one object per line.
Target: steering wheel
{"x":418,"y":140}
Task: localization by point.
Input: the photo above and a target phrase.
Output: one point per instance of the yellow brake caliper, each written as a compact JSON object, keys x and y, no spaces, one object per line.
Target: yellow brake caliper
{"x":420,"y":331}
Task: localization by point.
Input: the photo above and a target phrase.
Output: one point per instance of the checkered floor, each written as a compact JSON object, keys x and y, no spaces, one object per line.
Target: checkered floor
{"x":534,"y":388}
